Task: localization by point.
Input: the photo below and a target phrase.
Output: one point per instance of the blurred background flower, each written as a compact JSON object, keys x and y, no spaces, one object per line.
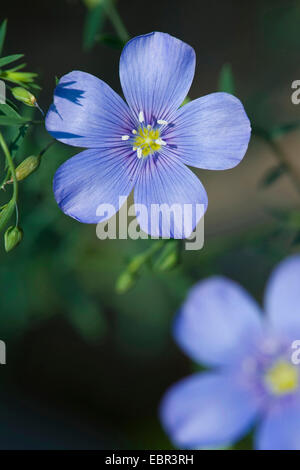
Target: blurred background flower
{"x":220,"y":325}
{"x":87,"y":367}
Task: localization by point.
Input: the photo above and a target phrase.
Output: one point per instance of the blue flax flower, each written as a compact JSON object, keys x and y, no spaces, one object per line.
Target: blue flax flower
{"x":146,"y":143}
{"x":255,"y":379}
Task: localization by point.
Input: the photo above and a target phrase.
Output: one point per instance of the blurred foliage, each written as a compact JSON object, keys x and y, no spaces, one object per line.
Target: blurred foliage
{"x":97,"y":13}
{"x":226,"y":80}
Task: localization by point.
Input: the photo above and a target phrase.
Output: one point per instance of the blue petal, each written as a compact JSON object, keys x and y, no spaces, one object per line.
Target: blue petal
{"x":94,"y":177}
{"x":207,"y":410}
{"x":87,"y":113}
{"x":282,"y":297}
{"x":212,"y":132}
{"x":280,"y":429}
{"x":156,"y":72}
{"x":173,"y":199}
{"x":218,"y":323}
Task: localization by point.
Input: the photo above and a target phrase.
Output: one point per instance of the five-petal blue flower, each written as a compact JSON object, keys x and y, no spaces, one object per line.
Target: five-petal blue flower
{"x":220,"y":325}
{"x":146,"y":143}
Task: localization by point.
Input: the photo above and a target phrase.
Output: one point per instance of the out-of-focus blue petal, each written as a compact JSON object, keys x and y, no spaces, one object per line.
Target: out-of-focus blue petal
{"x":156,"y":72}
{"x":86,"y":112}
{"x":173,"y":199}
{"x":211,"y":132}
{"x":94,"y":177}
{"x":210,"y":409}
{"x":282,"y":297}
{"x":218,"y":323}
{"x":280,"y":429}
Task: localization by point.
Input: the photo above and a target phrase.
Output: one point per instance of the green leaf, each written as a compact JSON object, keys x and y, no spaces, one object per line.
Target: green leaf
{"x":93,"y":24}
{"x":272,"y":175}
{"x":12,"y":121}
{"x":10,"y":58}
{"x":226,"y":80}
{"x":2,"y":34}
{"x":111,"y":40}
{"x":9,"y":111}
{"x":19,"y":67}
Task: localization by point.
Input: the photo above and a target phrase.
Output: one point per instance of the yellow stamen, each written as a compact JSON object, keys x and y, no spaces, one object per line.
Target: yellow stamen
{"x":148,"y":141}
{"x":282,"y":378}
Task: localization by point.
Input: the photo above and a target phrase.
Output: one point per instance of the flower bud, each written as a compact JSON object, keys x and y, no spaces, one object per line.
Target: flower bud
{"x":6,"y":213}
{"x":23,"y":95}
{"x":12,"y":238}
{"x":27,"y":166}
{"x":125,"y":282}
{"x":169,"y":257}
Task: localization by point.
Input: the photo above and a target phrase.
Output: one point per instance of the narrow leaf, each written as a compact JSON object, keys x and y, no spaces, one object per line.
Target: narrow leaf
{"x":2,"y":34}
{"x":9,"y":111}
{"x":93,"y":24}
{"x":12,"y":121}
{"x":10,"y":58}
{"x":272,"y":175}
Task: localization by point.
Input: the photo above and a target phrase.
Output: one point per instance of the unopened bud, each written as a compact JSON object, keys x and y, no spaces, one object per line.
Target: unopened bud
{"x":12,"y":238}
{"x":125,"y":282}
{"x":24,"y":95}
{"x":169,"y":257}
{"x":6,"y":213}
{"x":27,"y":166}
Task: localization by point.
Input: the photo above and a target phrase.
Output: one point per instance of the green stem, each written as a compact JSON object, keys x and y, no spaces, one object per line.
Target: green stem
{"x":116,"y":20}
{"x":11,"y":167}
{"x":142,"y":258}
{"x":284,"y":161}
{"x":266,"y":136}
{"x":46,"y":148}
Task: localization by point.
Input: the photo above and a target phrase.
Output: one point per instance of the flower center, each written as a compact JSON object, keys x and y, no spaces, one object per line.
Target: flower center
{"x":146,"y":140}
{"x":282,"y":378}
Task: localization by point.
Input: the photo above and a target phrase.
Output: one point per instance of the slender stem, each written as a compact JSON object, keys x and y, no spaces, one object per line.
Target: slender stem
{"x":142,"y":258}
{"x":17,"y":215}
{"x":11,"y":167}
{"x":46,"y":148}
{"x":285,"y":162}
{"x":116,"y":20}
